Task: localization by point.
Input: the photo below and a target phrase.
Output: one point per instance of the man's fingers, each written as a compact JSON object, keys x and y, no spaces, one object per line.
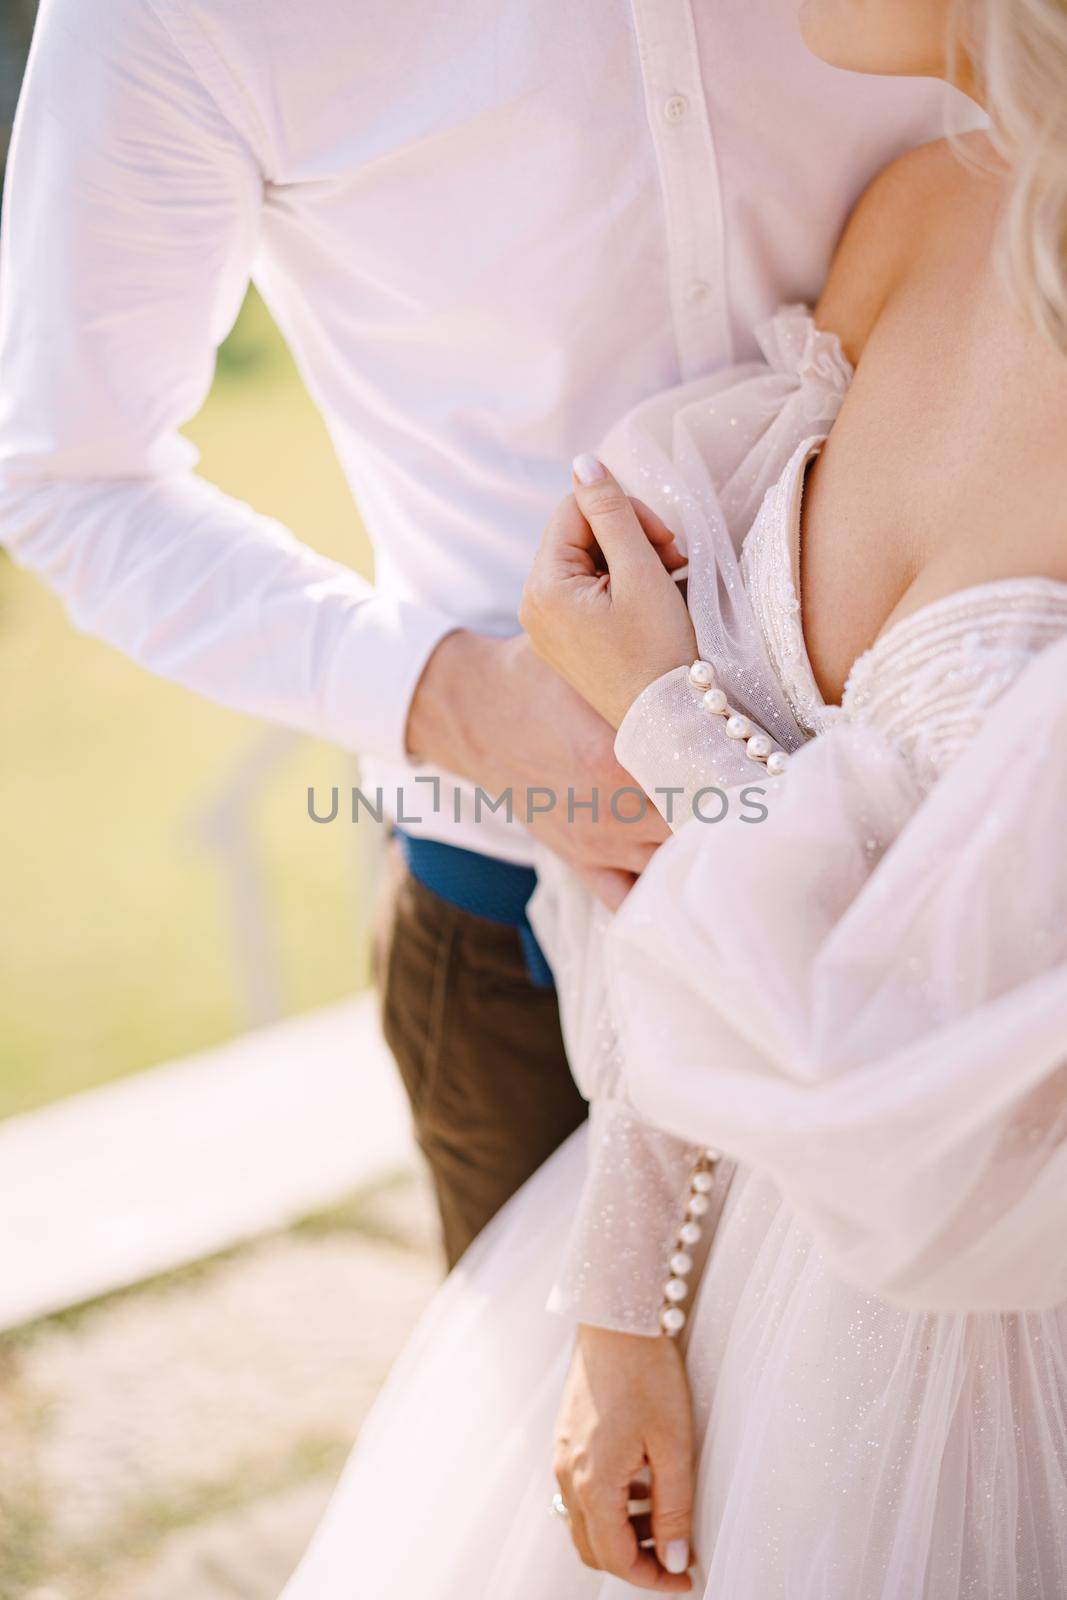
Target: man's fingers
{"x":638,"y":855}
{"x":608,"y":884}
{"x":611,"y":516}
{"x":671,"y":1460}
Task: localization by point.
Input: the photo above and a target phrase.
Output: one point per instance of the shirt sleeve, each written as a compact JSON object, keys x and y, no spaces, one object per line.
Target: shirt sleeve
{"x":131,"y":219}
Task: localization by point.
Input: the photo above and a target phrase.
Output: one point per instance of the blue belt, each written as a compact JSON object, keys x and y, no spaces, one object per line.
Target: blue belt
{"x":496,"y":890}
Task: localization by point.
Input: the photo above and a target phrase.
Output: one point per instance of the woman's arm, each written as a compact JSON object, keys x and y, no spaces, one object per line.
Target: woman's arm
{"x":626,"y":1404}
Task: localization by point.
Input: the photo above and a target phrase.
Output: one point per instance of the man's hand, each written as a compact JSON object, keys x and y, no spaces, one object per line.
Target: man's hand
{"x":626,"y":1412}
{"x":491,"y":711}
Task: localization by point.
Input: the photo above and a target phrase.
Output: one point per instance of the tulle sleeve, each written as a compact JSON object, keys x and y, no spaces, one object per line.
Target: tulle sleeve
{"x":866,"y":998}
{"x":704,"y":456}
{"x":614,"y":1260}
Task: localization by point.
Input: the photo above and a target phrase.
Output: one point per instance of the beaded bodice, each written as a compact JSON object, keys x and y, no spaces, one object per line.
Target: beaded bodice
{"x":929,"y":679}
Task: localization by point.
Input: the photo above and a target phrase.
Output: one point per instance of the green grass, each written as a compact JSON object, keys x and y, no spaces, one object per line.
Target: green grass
{"x":117,"y":948}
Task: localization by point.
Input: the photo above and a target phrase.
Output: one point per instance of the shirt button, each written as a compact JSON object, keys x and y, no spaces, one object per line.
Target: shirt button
{"x":697,"y":291}
{"x":675,"y":108}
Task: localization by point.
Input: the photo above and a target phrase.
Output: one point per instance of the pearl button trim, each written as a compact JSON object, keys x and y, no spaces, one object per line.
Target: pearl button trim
{"x":672,"y":1317}
{"x":758,"y":745}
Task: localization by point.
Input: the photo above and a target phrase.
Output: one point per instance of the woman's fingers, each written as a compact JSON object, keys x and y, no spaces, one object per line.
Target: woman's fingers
{"x":568,"y":546}
{"x":581,"y":1540}
{"x":575,"y":1517}
{"x":611,"y":515}
{"x":571,"y":552}
{"x":670,"y":1458}
{"x":567,"y":573}
{"x":659,"y":535}
{"x":611,"y":1532}
{"x":611,"y":633}
{"x":615,"y":1544}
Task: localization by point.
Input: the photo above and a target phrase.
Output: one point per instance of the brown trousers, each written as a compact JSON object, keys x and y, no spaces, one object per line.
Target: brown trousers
{"x":479,"y":1049}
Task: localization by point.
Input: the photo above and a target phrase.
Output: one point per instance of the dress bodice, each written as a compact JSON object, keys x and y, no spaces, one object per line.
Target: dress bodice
{"x":928,"y":680}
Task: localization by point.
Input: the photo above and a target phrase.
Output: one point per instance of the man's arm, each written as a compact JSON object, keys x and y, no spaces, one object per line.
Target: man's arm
{"x":130,"y":222}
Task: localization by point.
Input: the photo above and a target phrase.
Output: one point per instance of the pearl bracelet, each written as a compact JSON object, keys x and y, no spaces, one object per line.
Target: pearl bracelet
{"x":672,"y":1318}
{"x":758,"y":745}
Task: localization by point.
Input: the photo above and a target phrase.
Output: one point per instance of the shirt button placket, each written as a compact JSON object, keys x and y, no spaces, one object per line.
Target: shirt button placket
{"x":675,"y":101}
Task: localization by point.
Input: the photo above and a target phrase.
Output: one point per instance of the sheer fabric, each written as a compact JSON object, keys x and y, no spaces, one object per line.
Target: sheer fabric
{"x":844,"y":982}
{"x":866,"y":996}
{"x":863,"y":1000}
{"x":708,"y":458}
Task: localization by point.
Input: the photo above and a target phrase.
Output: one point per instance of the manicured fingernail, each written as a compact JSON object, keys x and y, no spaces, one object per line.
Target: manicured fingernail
{"x":587,"y":469}
{"x":676,"y":1556}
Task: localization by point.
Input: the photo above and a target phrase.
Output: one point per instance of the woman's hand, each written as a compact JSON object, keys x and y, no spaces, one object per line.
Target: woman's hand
{"x":625,"y":1433}
{"x":599,"y":604}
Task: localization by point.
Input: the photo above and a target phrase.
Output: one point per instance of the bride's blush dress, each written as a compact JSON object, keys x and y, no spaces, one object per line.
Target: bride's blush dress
{"x":862,"y":999}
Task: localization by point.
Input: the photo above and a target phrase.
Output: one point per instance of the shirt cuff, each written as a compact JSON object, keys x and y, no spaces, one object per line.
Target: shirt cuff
{"x":375,"y":671}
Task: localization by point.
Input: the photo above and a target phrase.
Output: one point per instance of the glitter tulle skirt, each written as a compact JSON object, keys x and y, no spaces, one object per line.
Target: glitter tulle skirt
{"x":847,"y":1450}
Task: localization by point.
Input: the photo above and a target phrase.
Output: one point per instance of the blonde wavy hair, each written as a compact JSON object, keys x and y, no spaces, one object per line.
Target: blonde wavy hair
{"x":1017,"y":51}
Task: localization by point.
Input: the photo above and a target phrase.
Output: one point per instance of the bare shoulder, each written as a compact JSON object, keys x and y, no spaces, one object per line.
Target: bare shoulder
{"x":893,"y":221}
{"x":955,"y":372}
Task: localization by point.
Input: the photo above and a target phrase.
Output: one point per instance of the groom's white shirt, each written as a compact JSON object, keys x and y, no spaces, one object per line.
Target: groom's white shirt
{"x":485,"y":230}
